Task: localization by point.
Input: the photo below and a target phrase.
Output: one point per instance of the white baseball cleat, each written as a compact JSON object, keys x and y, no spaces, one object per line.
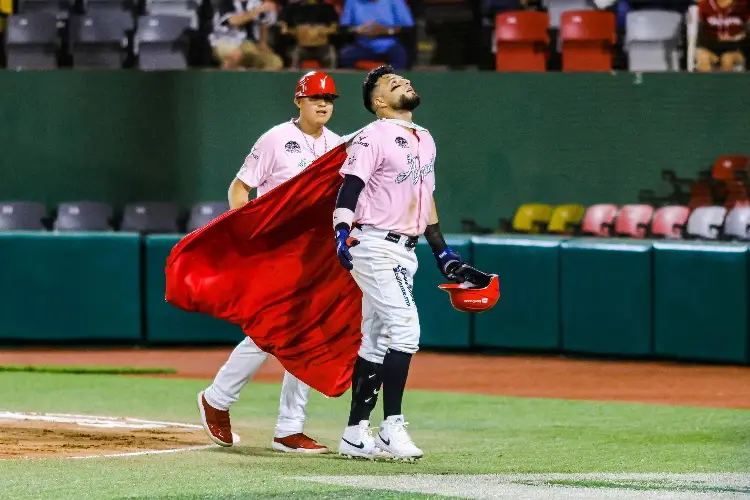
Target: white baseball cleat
{"x":358,"y":442}
{"x":393,"y":438}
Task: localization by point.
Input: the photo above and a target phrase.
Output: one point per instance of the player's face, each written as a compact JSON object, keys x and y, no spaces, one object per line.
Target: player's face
{"x":397,"y":93}
{"x":315,"y":109}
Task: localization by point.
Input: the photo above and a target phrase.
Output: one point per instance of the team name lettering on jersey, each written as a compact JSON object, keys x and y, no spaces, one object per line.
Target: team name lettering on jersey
{"x":414,"y":171}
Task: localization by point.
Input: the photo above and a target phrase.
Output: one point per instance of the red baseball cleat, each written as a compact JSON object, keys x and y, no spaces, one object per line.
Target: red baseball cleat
{"x":298,"y":443}
{"x":215,"y":422}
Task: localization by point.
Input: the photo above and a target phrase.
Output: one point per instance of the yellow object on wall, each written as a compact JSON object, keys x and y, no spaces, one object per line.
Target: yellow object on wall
{"x":6,"y":7}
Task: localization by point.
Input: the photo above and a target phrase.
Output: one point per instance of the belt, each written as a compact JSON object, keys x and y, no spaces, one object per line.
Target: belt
{"x":409,"y":241}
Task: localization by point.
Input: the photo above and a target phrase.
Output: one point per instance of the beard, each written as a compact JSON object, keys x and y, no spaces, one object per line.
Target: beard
{"x":408,"y":103}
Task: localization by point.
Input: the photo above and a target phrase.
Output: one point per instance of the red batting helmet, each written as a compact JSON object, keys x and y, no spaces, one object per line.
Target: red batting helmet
{"x":474,"y":297}
{"x":315,"y":83}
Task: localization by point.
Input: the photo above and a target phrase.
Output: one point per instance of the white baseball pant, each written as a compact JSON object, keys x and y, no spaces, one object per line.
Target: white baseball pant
{"x":243,"y":363}
{"x":384,"y":271}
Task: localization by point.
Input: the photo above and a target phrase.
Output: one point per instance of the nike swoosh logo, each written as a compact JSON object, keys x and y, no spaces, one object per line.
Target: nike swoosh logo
{"x":371,"y":376}
{"x":358,"y":446}
{"x":387,"y":443}
{"x":368,"y":400}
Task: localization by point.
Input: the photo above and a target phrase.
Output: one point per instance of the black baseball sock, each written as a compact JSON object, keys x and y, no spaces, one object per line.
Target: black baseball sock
{"x":366,"y":380}
{"x":395,"y":373}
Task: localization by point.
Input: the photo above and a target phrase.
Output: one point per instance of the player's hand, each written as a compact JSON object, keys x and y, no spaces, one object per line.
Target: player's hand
{"x":449,"y":262}
{"x":343,"y":243}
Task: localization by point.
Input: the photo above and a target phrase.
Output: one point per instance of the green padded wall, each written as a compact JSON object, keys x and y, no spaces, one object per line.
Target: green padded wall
{"x":527,"y":316}
{"x":441,"y":325}
{"x":606,"y":296}
{"x":70,"y":287}
{"x":701,"y":301}
{"x":502,"y":139}
{"x":168,"y":324}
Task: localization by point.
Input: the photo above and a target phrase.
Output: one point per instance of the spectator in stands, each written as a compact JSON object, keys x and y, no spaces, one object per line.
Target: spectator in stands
{"x":240,"y":36}
{"x":375,"y":24}
{"x":722,"y":34}
{"x":310,"y":23}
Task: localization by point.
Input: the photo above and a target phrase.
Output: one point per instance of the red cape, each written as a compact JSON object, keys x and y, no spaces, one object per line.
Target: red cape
{"x":271,"y":268}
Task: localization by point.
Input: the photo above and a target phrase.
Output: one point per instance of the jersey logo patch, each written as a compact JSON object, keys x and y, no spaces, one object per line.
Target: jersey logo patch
{"x":402,"y":142}
{"x":360,"y":139}
{"x":292,"y":147}
{"x":415,"y":172}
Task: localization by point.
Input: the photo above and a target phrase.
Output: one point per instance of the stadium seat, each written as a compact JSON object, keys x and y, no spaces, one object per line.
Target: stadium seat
{"x":737,"y":224}
{"x":669,"y":222}
{"x":31,"y":41}
{"x":555,"y":9}
{"x":203,"y":213}
{"x":522,"y":41}
{"x":98,"y":40}
{"x":653,"y":39}
{"x":22,"y":216}
{"x":587,"y":40}
{"x":529,"y":218}
{"x":105,"y":6}
{"x":309,"y":64}
{"x":182,"y":8}
{"x":725,"y":167}
{"x":599,"y":220}
{"x":633,"y":221}
{"x":50,"y":6}
{"x":565,"y":218}
{"x":160,"y":42}
{"x":706,"y":223}
{"x":83,"y":216}
{"x":151,"y":217}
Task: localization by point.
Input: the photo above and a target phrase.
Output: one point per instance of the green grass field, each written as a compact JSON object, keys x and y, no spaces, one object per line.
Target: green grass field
{"x":461,"y":434}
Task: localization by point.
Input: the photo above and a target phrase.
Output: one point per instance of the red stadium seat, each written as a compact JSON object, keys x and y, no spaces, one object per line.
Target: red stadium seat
{"x":599,"y":220}
{"x":669,"y":222}
{"x":368,"y":65}
{"x":522,"y":41}
{"x":633,"y":220}
{"x":725,"y":167}
{"x":587,"y":39}
{"x":309,"y":64}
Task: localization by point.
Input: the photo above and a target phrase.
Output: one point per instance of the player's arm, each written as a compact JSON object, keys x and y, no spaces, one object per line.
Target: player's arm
{"x":448,"y":261}
{"x":239,"y":193}
{"x":254,"y":171}
{"x":363,"y":157}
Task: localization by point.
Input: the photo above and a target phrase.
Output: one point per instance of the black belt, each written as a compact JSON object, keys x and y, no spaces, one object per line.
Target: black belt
{"x":411,"y":241}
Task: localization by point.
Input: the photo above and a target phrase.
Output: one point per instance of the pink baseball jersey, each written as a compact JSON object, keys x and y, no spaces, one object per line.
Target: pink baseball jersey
{"x":281,"y":153}
{"x":397,"y":165}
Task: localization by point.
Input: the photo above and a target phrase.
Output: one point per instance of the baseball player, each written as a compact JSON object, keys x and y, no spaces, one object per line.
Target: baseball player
{"x":389,"y":180}
{"x":280,"y":154}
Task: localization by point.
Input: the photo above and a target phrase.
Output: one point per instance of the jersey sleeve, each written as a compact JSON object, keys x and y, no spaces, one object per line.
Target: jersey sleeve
{"x":257,"y":166}
{"x":362,"y":156}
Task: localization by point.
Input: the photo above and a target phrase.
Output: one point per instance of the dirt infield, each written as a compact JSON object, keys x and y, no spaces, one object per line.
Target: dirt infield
{"x":546,"y":377}
{"x":29,"y":435}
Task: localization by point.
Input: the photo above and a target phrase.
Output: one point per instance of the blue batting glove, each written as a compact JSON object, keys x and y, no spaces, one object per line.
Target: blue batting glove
{"x":448,"y":262}
{"x":343,"y":243}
